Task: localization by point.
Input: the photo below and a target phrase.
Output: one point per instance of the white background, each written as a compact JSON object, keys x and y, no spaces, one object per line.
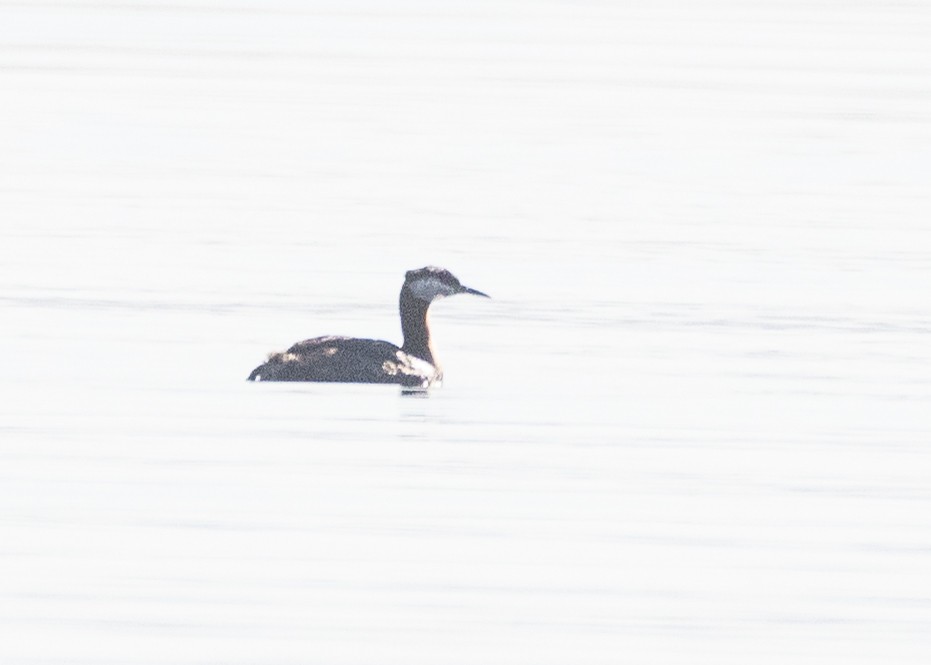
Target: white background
{"x":691,"y":426}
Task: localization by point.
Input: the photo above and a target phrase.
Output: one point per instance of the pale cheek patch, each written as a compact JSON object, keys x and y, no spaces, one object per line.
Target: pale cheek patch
{"x":430,"y":288}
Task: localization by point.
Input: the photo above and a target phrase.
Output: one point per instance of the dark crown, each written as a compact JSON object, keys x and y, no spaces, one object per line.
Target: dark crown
{"x":432,"y":271}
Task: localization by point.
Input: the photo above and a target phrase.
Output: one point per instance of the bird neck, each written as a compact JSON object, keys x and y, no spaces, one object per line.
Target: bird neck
{"x":415,"y":325}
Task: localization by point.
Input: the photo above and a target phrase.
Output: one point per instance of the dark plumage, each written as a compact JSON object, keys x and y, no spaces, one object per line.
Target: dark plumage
{"x":353,"y":360}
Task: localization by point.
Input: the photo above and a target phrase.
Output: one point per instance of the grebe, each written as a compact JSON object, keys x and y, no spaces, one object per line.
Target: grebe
{"x":353,"y":360}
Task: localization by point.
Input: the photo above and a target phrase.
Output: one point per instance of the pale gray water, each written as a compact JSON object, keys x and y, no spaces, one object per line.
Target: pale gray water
{"x":691,"y":426}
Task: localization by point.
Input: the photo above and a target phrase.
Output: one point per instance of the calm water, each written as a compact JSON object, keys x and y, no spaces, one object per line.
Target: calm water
{"x":691,"y":426}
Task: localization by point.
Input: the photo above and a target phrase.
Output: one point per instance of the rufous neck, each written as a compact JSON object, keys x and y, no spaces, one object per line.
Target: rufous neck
{"x":415,"y":325}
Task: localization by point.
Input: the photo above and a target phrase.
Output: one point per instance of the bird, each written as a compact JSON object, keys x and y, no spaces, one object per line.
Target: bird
{"x":338,"y":359}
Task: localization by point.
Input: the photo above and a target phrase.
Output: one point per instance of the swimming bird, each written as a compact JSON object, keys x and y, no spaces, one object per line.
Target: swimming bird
{"x":353,"y":360}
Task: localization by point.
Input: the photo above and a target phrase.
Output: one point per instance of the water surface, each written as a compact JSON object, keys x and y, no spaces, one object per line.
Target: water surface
{"x":691,"y":425}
